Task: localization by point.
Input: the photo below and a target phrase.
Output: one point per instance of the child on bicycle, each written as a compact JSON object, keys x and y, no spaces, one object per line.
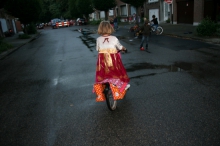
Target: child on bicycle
{"x":155,"y":23}
{"x":109,"y":67}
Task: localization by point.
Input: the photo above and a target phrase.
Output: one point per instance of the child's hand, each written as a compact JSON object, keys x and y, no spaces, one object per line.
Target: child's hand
{"x":124,"y":49}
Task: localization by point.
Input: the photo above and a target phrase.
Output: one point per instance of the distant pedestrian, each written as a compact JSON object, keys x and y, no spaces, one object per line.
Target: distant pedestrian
{"x":134,"y":18}
{"x":139,"y":19}
{"x":145,"y":29}
{"x":130,"y":19}
{"x":112,"y":22}
{"x":115,"y":22}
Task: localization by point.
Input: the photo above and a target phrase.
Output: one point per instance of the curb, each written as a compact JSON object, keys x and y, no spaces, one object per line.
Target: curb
{"x":192,"y":38}
{"x":10,"y":51}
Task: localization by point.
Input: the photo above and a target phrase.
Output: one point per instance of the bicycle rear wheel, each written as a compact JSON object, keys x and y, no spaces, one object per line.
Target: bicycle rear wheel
{"x":159,"y":30}
{"x":111,"y":103}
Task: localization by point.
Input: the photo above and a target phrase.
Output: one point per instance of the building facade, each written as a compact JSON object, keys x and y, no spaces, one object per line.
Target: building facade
{"x":179,"y":12}
{"x":194,"y":11}
{"x":6,"y":22}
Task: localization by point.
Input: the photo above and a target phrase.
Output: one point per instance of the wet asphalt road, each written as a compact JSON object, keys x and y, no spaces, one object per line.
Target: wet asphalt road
{"x":47,"y":100}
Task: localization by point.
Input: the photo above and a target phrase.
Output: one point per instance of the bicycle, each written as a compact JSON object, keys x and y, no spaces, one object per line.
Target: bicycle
{"x":111,"y":103}
{"x":159,"y":30}
{"x":138,"y":32}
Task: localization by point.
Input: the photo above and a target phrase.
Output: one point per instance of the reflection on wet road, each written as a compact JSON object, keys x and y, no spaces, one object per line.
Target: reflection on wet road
{"x":194,"y":69}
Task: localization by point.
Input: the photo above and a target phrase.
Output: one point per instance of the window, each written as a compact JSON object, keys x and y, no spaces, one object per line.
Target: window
{"x":151,"y":1}
{"x":133,"y":10}
{"x":111,"y":13}
{"x":123,"y":10}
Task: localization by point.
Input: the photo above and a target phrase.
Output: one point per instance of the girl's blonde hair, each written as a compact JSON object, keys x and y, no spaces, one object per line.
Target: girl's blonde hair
{"x":105,"y":28}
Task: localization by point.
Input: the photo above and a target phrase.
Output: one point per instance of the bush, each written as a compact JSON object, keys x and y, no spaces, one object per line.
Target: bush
{"x":206,"y":28}
{"x":218,"y":30}
{"x":218,"y":17}
{"x":95,"y":22}
{"x":23,"y":36}
{"x":168,"y":20}
{"x":31,"y":29}
{"x":4,"y":46}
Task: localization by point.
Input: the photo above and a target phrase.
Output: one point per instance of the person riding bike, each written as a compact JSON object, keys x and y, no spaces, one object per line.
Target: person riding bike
{"x":155,"y":23}
{"x":109,"y":67}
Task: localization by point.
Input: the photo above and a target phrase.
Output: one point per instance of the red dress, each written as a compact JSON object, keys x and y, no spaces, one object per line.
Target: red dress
{"x":109,"y":66}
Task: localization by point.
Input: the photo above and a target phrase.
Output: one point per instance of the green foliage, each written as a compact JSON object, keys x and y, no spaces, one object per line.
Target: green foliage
{"x":206,"y":28}
{"x":23,"y":36}
{"x":95,"y":22}
{"x":85,"y":7}
{"x":218,"y":30}
{"x":73,"y":9}
{"x":168,"y":20}
{"x":218,"y":17}
{"x":54,"y":10}
{"x":31,"y":29}
{"x":4,"y":46}
{"x":26,"y":10}
{"x":45,"y":15}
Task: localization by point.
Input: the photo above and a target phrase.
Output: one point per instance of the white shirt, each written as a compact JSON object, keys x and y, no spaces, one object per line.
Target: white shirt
{"x":108,"y":42}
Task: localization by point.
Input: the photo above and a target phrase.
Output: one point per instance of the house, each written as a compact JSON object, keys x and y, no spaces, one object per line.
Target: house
{"x":179,"y":12}
{"x":7,"y":22}
{"x":149,"y":8}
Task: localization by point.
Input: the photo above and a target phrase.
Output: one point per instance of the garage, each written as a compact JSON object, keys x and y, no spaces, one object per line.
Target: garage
{"x":185,"y":10}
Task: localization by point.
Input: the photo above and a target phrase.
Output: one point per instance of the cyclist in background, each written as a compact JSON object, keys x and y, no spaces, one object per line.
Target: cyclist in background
{"x":155,"y":23}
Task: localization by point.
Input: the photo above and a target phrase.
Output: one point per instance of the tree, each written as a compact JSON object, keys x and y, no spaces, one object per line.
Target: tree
{"x":45,"y":15}
{"x":63,"y":7}
{"x":74,"y":13}
{"x":85,"y":7}
{"x":2,"y":3}
{"x":27,"y":11}
{"x":104,"y":5}
{"x":54,"y":10}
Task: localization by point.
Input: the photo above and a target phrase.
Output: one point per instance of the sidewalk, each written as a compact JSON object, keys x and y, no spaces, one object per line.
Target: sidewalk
{"x":16,"y":43}
{"x":179,"y":30}
{"x":186,"y":31}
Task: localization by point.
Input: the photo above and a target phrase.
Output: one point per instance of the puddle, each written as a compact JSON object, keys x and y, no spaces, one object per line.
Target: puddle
{"x":121,"y":37}
{"x":194,"y":69}
{"x":89,"y":41}
{"x":178,"y":66}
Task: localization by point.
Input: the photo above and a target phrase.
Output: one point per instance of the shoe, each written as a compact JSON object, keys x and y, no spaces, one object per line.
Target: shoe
{"x":127,"y":87}
{"x":142,"y":48}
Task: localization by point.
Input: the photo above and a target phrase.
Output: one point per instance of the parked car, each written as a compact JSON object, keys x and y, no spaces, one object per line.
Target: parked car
{"x":81,"y":21}
{"x":40,"y":26}
{"x":54,"y":21}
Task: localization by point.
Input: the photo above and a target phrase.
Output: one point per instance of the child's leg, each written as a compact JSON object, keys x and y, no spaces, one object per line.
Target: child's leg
{"x":142,"y":41}
{"x":147,"y":39}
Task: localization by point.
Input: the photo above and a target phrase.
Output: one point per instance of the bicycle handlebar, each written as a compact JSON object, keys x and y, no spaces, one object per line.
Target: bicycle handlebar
{"x":126,"y":51}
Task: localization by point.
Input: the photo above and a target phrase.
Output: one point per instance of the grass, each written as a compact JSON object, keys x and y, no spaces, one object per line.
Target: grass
{"x":4,"y":46}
